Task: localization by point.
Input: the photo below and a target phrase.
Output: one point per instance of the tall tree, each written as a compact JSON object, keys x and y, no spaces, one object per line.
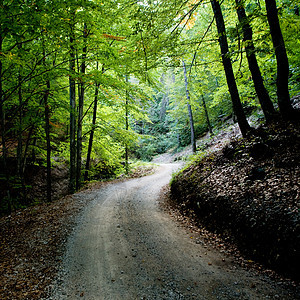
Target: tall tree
{"x":235,"y":98}
{"x":72,"y":92}
{"x":3,"y":129}
{"x":261,"y":91}
{"x":126,"y":125}
{"x":80,"y":108}
{"x":91,"y":138}
{"x":20,"y":122}
{"x":282,"y":80}
{"x":47,"y":128}
{"x":48,"y":140}
{"x":193,"y":140}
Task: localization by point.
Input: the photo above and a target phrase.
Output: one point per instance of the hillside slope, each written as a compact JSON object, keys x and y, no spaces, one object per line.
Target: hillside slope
{"x":250,"y":191}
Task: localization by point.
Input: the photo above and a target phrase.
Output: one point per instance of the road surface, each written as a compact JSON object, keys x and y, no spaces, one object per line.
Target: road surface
{"x":125,"y":247}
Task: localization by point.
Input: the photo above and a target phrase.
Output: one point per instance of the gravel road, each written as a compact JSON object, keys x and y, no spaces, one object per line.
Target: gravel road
{"x":125,"y":247}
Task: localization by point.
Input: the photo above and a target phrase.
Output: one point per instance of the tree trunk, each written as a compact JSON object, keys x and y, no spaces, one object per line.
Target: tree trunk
{"x":80,"y":111}
{"x":261,"y":91}
{"x":72,"y":111}
{"x":3,"y":136}
{"x":20,"y":121}
{"x":20,"y":125}
{"x":20,"y":167}
{"x":193,"y":141}
{"x":47,"y":130}
{"x":90,"y":146}
{"x":164,"y":101}
{"x":207,"y":116}
{"x":48,"y":141}
{"x":27,"y":146}
{"x":126,"y":127}
{"x":282,"y":81}
{"x":235,"y":98}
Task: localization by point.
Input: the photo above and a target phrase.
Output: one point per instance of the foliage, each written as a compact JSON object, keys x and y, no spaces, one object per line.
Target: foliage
{"x":132,"y":54}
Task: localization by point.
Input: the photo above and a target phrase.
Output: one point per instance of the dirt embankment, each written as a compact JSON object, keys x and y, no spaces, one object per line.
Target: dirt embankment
{"x":250,"y":192}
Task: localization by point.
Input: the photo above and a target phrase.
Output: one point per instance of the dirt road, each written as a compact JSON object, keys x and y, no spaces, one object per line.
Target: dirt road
{"x":125,"y":247}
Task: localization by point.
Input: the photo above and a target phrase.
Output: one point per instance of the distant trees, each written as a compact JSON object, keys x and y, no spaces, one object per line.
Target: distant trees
{"x":193,"y":140}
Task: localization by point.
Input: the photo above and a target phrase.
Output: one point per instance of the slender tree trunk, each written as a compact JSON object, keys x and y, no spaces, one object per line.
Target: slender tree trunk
{"x":3,"y":135}
{"x":33,"y":154}
{"x":207,"y":116}
{"x":47,"y":131}
{"x":48,"y":141}
{"x":261,"y":91}
{"x":126,"y":127}
{"x":80,"y":112}
{"x":90,"y":146}
{"x":235,"y":98}
{"x":20,"y":167}
{"x":20,"y":146}
{"x":27,"y":146}
{"x":20,"y":128}
{"x":282,"y":81}
{"x":193,"y":141}
{"x":164,"y":101}
{"x":72,"y":110}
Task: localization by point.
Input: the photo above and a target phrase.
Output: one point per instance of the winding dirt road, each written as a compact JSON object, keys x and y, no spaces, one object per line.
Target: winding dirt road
{"x":125,"y":247}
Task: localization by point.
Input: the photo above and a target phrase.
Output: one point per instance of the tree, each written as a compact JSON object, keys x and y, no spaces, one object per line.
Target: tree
{"x":47,"y":130}
{"x":235,"y":98}
{"x":261,"y":91}
{"x":72,"y":87}
{"x":282,"y":80}
{"x":193,"y":140}
{"x":92,"y":131}
{"x":48,"y":140}
{"x":126,"y":125}
{"x":3,"y":128}
{"x":81,"y":92}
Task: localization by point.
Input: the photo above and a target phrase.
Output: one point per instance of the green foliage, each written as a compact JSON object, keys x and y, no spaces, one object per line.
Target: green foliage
{"x":105,"y":169}
{"x":142,"y":41}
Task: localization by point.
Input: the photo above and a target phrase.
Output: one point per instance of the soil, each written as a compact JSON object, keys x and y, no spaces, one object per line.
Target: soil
{"x":32,"y":244}
{"x":249,"y":193}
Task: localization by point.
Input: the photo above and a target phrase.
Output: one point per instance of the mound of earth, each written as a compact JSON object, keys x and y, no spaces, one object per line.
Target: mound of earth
{"x":250,"y":191}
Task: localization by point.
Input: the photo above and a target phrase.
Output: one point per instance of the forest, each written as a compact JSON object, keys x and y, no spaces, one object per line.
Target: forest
{"x":94,"y":93}
{"x":92,"y":86}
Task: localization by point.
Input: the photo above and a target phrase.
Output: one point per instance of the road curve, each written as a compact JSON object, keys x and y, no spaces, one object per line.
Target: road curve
{"x":125,"y":247}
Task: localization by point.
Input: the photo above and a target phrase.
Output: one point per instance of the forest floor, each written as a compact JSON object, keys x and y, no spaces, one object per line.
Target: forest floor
{"x":124,"y":246}
{"x":32,"y":240}
{"x":248,"y":192}
{"x":158,"y":255}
